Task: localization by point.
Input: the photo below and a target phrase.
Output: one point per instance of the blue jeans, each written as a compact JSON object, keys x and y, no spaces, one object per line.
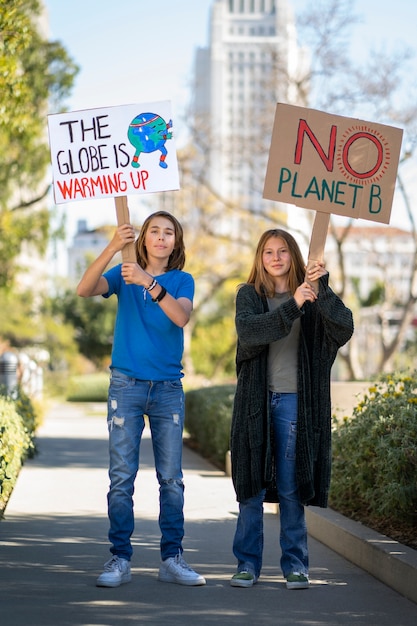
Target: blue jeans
{"x":163,"y":402}
{"x":249,"y":536}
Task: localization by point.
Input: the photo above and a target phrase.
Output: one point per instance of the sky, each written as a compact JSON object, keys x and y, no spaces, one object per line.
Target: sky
{"x":134,"y":51}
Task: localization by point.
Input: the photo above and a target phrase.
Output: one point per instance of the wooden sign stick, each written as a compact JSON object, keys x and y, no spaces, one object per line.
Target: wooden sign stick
{"x":123,"y":217}
{"x":318,"y":241}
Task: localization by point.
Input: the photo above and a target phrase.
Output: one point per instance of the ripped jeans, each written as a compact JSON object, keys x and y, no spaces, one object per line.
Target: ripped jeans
{"x":163,"y":402}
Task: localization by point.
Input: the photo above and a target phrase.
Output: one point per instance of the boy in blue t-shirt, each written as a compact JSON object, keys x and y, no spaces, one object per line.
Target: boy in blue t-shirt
{"x":155,"y":300}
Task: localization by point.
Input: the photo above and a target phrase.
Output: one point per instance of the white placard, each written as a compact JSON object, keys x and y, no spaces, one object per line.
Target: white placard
{"x":113,"y":151}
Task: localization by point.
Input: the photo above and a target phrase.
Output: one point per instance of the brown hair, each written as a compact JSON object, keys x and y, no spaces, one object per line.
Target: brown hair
{"x":176,"y":260}
{"x":258,"y":275}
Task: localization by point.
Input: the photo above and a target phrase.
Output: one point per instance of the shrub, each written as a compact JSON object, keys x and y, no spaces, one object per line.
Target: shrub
{"x":208,"y":416}
{"x":374,"y":475}
{"x":15,"y":444}
{"x":88,"y":388}
{"x":30,"y":417}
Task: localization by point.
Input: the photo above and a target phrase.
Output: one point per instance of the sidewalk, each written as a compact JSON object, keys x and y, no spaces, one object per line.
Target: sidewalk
{"x":53,"y":543}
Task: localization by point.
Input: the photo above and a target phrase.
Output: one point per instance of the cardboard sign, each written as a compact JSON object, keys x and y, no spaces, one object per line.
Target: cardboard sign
{"x":114,"y":151}
{"x":333,"y":164}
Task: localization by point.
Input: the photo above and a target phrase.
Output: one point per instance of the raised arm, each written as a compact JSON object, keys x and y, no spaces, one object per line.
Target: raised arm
{"x":93,"y":282}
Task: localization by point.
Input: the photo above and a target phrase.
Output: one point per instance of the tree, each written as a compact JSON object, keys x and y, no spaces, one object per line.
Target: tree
{"x":92,"y":321}
{"x":34,"y":73}
{"x":374,"y":91}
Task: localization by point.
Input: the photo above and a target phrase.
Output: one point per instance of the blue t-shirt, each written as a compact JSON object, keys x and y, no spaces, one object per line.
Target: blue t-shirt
{"x":147,"y":345}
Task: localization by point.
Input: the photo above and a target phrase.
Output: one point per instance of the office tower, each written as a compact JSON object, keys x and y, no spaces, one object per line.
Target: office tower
{"x":252,"y":61}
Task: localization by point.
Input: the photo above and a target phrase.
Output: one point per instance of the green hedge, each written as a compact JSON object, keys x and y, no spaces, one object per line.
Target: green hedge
{"x":374,"y":472}
{"x":88,"y":388}
{"x":208,"y":415}
{"x":31,"y":418}
{"x":15,"y":445}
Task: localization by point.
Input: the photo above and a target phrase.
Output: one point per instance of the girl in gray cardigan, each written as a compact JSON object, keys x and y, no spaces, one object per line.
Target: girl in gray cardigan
{"x":290,"y":325}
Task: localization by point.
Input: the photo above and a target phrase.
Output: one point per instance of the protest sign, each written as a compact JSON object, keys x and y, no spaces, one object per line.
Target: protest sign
{"x":332,"y":164}
{"x":113,"y":152}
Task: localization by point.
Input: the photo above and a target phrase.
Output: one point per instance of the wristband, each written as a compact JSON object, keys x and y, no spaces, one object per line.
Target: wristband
{"x":161,"y":295}
{"x":152,"y":285}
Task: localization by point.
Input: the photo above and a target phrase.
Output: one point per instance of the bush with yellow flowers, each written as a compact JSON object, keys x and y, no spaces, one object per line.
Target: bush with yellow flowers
{"x":18,"y":422}
{"x":374,"y":472}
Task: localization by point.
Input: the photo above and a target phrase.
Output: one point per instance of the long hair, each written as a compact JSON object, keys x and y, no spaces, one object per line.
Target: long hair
{"x":176,"y":260}
{"x":260,"y":278}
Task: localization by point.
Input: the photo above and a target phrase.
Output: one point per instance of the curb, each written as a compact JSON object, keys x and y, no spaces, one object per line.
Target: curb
{"x":384,"y":558}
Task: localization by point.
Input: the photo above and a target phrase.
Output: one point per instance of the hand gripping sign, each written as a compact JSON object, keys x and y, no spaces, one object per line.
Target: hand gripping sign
{"x":113,"y":152}
{"x":332,"y":164}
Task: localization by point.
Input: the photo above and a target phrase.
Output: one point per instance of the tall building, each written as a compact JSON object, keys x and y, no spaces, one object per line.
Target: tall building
{"x":251,"y":62}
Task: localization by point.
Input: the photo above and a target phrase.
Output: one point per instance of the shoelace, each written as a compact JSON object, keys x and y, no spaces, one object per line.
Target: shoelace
{"x":114,"y":561}
{"x":182,"y":563}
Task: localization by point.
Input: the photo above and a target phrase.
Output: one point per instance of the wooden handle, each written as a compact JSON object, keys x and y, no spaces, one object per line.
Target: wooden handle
{"x":123,"y":217}
{"x":317,"y":242}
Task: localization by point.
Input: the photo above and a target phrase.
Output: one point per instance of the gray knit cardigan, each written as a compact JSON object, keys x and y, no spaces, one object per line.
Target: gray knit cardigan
{"x":326,"y":325}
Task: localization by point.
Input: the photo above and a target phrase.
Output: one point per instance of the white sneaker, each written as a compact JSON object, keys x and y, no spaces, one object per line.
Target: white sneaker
{"x":116,"y":572}
{"x":176,"y":570}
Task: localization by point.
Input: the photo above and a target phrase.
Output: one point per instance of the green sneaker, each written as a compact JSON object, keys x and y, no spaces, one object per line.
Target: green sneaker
{"x":243,"y":579}
{"x":297,"y":581}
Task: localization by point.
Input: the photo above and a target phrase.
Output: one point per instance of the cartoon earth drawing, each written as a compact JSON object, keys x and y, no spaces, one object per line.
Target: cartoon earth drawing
{"x":148,"y":132}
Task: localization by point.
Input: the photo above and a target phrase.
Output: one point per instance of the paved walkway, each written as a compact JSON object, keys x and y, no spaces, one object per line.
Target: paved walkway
{"x":53,"y":543}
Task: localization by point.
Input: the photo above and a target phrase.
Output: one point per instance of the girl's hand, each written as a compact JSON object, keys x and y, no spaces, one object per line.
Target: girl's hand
{"x":315,"y":271}
{"x":304,"y":293}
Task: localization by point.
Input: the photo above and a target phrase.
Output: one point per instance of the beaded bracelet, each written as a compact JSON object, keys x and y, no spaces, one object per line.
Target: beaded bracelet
{"x":161,"y":295}
{"x":152,"y":285}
